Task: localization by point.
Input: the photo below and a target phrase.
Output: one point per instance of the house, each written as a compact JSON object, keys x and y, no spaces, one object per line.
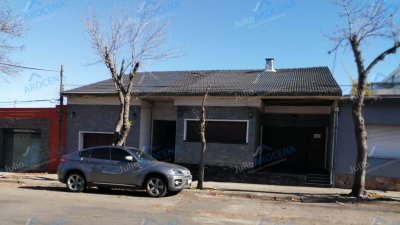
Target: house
{"x":263,"y":121}
{"x":381,"y":114}
{"x":30,"y":139}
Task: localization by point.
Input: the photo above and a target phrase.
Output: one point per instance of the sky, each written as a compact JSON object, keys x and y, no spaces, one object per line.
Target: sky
{"x":211,"y":34}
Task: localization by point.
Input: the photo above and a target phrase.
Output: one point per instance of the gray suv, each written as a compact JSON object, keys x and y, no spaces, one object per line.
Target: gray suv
{"x":111,"y":166}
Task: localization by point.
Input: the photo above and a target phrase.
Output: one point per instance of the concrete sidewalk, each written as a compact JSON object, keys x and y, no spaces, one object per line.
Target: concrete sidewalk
{"x":291,"y":193}
{"x":259,"y":191}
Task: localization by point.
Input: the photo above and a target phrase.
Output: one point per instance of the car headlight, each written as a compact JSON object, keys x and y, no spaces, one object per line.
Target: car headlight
{"x":175,"y":172}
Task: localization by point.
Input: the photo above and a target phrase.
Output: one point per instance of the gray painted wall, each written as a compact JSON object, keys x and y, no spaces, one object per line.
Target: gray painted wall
{"x":98,"y":118}
{"x":379,"y":112}
{"x":217,"y":154}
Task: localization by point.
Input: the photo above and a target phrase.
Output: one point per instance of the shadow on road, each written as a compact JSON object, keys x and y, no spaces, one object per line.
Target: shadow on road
{"x":95,"y":191}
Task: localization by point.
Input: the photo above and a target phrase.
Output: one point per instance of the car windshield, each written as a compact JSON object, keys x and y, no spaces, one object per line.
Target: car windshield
{"x":141,"y":155}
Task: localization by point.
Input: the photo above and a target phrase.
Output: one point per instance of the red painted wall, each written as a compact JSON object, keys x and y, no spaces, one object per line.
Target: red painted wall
{"x":52,"y":115}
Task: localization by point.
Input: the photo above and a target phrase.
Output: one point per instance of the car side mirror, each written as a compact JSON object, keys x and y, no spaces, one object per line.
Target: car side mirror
{"x":129,"y":158}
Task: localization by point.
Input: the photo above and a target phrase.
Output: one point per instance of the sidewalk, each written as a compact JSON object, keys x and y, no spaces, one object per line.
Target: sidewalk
{"x":258,"y":191}
{"x":290,"y":193}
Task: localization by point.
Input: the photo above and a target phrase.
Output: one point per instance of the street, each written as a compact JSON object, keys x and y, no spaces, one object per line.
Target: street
{"x":50,"y":203}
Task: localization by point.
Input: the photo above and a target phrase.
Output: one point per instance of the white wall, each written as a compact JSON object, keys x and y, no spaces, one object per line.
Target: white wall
{"x":145,"y":125}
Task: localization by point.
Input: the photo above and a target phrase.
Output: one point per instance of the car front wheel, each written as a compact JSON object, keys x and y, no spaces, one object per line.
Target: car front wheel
{"x":156,"y":186}
{"x":76,"y":182}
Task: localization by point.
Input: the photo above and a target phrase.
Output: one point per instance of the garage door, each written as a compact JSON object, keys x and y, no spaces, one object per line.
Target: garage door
{"x":97,"y":139}
{"x":383,"y":141}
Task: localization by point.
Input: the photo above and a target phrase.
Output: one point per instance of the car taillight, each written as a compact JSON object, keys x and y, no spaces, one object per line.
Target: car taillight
{"x":63,"y":159}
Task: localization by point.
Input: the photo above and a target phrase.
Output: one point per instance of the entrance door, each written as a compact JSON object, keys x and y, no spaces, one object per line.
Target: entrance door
{"x":306,"y":145}
{"x":164,"y":140}
{"x":286,"y":146}
{"x":316,"y":148}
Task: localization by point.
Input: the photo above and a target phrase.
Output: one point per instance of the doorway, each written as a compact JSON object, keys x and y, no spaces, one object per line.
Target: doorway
{"x":164,"y":140}
{"x":21,"y":150}
{"x":303,"y":148}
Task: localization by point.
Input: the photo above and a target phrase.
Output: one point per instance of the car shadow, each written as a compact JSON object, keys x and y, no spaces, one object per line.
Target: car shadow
{"x":93,"y":191}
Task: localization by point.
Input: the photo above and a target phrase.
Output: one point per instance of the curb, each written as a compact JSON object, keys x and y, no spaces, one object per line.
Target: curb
{"x":334,"y":198}
{"x":249,"y":195}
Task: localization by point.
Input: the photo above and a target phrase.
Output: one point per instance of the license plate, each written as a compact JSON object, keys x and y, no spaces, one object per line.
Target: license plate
{"x":189,"y":181}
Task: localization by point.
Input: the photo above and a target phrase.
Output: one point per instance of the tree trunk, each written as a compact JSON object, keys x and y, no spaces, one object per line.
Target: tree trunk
{"x":126,"y":125}
{"x":360,"y":131}
{"x":203,"y":140}
{"x":203,"y":149}
{"x":120,"y":122}
{"x":358,"y":189}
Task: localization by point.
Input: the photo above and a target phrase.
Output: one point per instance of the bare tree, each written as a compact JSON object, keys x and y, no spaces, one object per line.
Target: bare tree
{"x":127,"y":39}
{"x":365,"y":22}
{"x":202,"y":124}
{"x":11,"y":27}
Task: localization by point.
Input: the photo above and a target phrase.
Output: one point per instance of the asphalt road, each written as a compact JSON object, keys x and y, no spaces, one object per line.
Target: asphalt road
{"x":52,"y":204}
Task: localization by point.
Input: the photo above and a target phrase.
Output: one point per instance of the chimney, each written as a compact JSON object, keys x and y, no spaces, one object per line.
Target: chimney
{"x":269,"y":65}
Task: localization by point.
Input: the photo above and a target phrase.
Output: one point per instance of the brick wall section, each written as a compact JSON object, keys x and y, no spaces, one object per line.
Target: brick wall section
{"x":374,"y":183}
{"x":41,"y":124}
{"x":98,"y":118}
{"x":217,"y":154}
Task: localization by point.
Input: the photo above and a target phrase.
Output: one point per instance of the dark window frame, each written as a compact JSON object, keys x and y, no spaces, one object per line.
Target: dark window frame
{"x":217,"y":136}
{"x":97,"y":148}
{"x":119,"y":149}
{"x":82,"y":152}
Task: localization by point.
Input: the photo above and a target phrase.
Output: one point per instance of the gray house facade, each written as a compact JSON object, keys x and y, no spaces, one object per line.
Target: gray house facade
{"x":260,"y":123}
{"x":382,"y":120}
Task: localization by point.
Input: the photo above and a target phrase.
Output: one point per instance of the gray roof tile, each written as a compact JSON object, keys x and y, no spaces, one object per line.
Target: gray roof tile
{"x":315,"y":81}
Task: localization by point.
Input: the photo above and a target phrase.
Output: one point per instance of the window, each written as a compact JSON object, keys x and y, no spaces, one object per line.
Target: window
{"x":101,"y":153}
{"x":383,"y":141}
{"x":118,"y":154}
{"x":232,"y":132}
{"x":84,"y":154}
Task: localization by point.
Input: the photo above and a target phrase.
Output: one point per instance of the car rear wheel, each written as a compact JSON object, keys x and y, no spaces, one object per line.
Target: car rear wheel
{"x":156,"y":186}
{"x":76,"y":182}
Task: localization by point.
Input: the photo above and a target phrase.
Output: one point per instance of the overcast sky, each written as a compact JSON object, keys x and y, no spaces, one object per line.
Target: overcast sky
{"x":214,"y":34}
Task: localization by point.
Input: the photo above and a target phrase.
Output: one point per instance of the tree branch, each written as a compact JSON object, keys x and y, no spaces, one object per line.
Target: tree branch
{"x":382,"y":56}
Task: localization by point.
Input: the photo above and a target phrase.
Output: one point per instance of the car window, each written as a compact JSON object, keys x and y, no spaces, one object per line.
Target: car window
{"x":141,"y":155}
{"x":85,"y":153}
{"x":118,"y":154}
{"x":101,"y":153}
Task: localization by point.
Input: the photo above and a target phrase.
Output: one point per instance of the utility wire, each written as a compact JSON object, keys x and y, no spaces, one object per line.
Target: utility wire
{"x":26,"y":67}
{"x":29,"y":101}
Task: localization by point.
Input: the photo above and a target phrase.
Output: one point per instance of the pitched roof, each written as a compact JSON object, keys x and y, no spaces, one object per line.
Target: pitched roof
{"x":314,"y":81}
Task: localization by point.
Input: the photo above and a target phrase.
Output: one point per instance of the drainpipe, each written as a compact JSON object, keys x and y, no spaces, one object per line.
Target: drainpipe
{"x":334,"y":141}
